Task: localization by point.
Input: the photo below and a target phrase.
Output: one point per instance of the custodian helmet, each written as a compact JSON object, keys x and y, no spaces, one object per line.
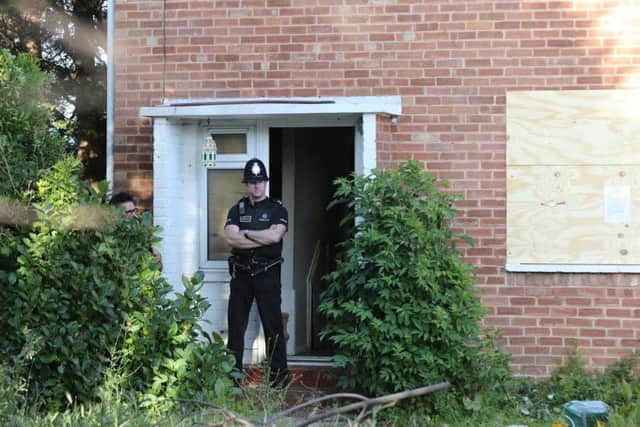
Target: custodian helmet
{"x":254,"y":171}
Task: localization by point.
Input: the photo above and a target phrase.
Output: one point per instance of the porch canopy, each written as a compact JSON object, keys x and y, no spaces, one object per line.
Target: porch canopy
{"x":220,"y":108}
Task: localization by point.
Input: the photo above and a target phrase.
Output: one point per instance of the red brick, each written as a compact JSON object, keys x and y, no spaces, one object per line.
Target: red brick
{"x":585,"y":332}
{"x":578,"y":301}
{"x":631,"y":302}
{"x":452,"y":63}
{"x":573,"y":321}
{"x":537,"y":331}
{"x":620,"y":333}
{"x":536,"y":311}
{"x":603,"y":361}
{"x":537,"y":350}
{"x":548,"y":360}
{"x":619,"y":312}
{"x":590,"y":312}
{"x":619,"y":352}
{"x":607,"y":323}
{"x":563,"y":311}
{"x":522,"y":341}
{"x":599,"y":342}
{"x":549,"y":341}
{"x":575,"y":343}
{"x":552,"y":321}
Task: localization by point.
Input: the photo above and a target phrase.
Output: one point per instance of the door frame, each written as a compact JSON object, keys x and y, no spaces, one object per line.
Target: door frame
{"x":288,"y":194}
{"x":178,"y":129}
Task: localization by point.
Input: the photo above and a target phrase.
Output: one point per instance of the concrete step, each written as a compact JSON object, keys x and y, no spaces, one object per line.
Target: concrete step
{"x":310,"y":361}
{"x":321,"y":377}
{"x":307,"y":381}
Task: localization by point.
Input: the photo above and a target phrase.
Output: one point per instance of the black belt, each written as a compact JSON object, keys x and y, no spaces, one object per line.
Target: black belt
{"x":252,"y":265}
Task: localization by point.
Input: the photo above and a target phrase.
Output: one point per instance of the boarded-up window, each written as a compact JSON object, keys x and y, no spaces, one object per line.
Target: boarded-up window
{"x":573,"y":179}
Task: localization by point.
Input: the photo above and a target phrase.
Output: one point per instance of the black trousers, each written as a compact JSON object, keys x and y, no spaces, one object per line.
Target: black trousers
{"x":267,"y":291}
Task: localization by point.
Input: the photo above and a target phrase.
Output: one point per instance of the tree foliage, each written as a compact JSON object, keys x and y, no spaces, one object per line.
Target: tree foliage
{"x":400,"y":304}
{"x":26,"y":142}
{"x":67,"y":38}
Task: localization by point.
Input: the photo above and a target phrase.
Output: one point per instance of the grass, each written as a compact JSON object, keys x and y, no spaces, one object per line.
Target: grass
{"x":532,"y":404}
{"x":126,"y":413}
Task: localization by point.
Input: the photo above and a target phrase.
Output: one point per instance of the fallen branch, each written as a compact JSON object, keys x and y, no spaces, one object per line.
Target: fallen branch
{"x":364,"y":405}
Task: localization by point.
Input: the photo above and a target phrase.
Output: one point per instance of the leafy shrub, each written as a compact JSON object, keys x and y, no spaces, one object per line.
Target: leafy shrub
{"x":11,"y":401}
{"x":630,"y":419}
{"x":78,"y":279}
{"x":618,"y":386}
{"x":177,"y":359}
{"x":86,"y":282}
{"x":401,"y":305}
{"x":26,"y":142}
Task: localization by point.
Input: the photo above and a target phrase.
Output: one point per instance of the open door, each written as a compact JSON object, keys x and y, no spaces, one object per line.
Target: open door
{"x":313,"y":157}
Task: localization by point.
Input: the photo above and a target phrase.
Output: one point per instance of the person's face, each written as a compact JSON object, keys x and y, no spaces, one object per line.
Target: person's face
{"x":256,"y":190}
{"x":129,"y":209}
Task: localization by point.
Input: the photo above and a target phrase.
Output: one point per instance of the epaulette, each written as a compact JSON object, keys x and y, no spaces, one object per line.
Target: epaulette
{"x":242,"y":205}
{"x":274,"y":200}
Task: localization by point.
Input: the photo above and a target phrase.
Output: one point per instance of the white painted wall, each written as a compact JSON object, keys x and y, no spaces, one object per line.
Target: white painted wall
{"x":180,"y":208}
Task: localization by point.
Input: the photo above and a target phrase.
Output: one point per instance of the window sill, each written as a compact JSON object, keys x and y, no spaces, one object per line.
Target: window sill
{"x":571,"y":268}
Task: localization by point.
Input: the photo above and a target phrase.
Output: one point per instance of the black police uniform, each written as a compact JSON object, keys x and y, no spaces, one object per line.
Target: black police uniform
{"x":255,"y":273}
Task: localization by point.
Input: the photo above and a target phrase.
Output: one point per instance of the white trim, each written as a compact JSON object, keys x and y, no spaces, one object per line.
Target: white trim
{"x":223,"y":159}
{"x":366,"y":145}
{"x":111,"y":88}
{"x":571,"y":268}
{"x":262,"y":146}
{"x":309,"y":285}
{"x":265,"y":107}
{"x":288,"y":289}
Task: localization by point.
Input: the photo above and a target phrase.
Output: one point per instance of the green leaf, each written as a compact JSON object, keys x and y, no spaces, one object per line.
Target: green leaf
{"x":219,"y":387}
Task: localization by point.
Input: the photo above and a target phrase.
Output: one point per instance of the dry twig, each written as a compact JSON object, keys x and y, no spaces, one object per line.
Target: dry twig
{"x":364,"y":405}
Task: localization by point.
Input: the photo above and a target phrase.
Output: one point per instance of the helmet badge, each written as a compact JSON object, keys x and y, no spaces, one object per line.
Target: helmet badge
{"x":255,"y":169}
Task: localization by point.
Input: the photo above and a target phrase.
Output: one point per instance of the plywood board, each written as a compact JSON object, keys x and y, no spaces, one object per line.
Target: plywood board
{"x":573,"y":127}
{"x":573,"y":177}
{"x":573,"y":214}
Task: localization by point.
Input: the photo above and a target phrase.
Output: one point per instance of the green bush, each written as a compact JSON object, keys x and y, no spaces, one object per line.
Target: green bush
{"x":176,"y":358}
{"x":27,"y":143}
{"x":86,"y":282}
{"x":78,"y":279}
{"x":400,"y":304}
{"x":618,"y":386}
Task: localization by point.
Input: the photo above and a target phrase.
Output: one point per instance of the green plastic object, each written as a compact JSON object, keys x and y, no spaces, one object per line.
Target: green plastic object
{"x":586,"y":413}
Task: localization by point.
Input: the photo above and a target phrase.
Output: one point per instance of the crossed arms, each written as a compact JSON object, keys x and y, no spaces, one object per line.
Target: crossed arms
{"x":255,"y":238}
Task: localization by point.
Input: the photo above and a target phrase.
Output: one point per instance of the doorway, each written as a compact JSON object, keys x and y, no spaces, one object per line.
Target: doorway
{"x":304,"y":163}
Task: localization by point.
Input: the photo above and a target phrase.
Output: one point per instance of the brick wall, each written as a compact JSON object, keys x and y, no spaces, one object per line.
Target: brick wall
{"x":452,"y":62}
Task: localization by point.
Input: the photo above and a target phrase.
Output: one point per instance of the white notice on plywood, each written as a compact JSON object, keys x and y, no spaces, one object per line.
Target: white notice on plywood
{"x":617,"y":203}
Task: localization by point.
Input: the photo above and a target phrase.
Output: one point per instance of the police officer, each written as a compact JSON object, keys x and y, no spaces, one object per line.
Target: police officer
{"x":254,"y":230}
